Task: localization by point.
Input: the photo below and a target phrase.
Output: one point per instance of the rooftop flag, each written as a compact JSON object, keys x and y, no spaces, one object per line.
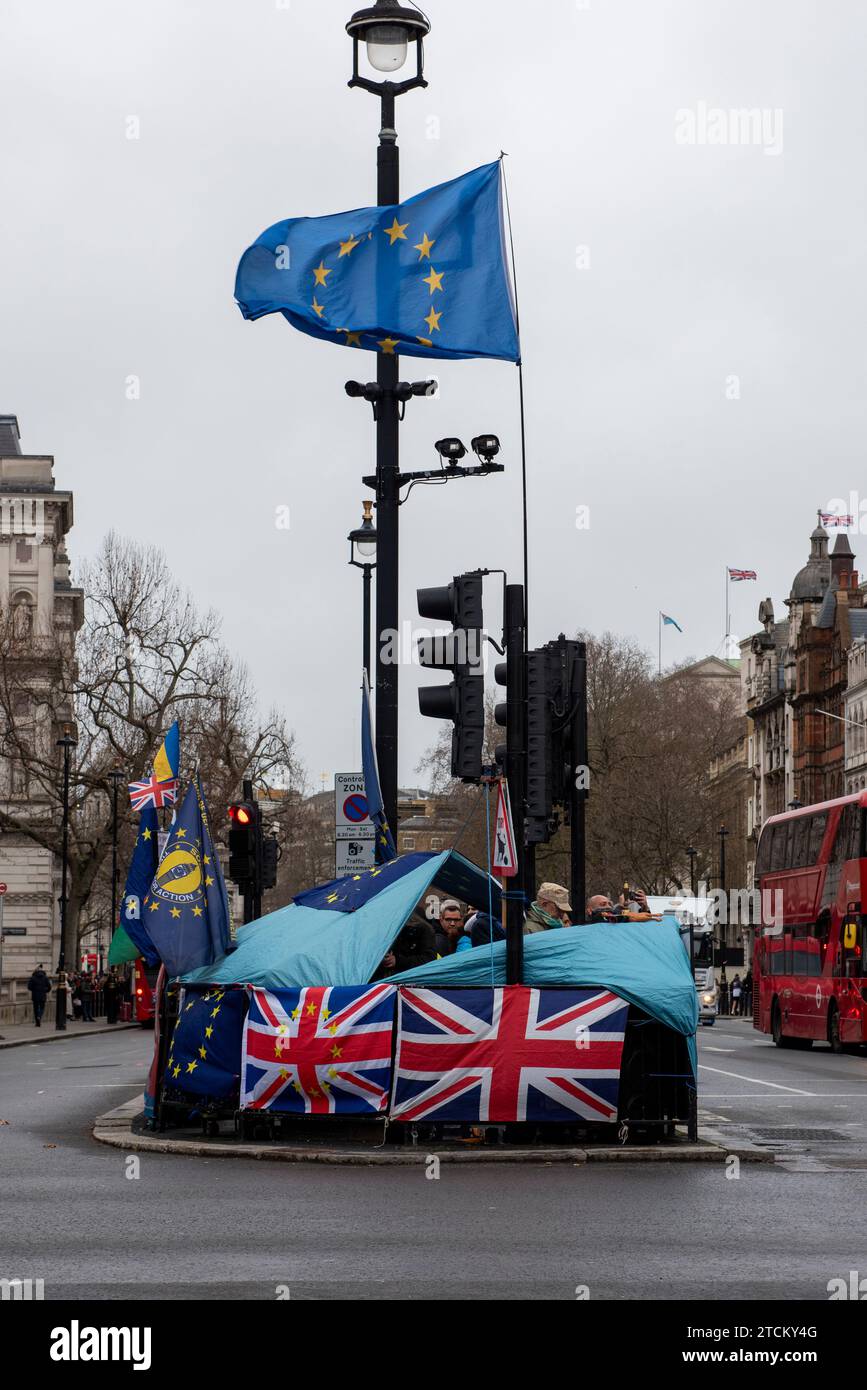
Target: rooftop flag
{"x":427,"y":277}
{"x":670,"y":622}
{"x":736,"y":575}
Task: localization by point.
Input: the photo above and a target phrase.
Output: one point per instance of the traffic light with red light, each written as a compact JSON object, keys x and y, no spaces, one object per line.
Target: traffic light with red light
{"x":243,"y":835}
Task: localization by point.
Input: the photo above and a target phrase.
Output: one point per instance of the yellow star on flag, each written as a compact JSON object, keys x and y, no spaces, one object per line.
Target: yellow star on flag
{"x":321,"y":271}
{"x":181,"y":834}
{"x":311,"y":1009}
{"x":154,"y":907}
{"x":348,"y":246}
{"x":191,"y":1066}
{"x":146,"y":834}
{"x":388,"y":346}
{"x":352,"y":339}
{"x":424,"y":247}
{"x":176,"y":912}
{"x":209,"y":882}
{"x":318,"y":309}
{"x":425,"y":342}
{"x":197,"y":912}
{"x":208,"y":1031}
{"x":202,"y":1053}
{"x":336,"y":1051}
{"x":435,"y":279}
{"x":433,"y":320}
{"x":176,"y":1071}
{"x":397,"y":231}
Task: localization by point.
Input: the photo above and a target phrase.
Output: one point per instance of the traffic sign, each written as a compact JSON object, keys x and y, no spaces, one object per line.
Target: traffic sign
{"x":354,"y":854}
{"x":351,"y":811}
{"x":4,"y":888}
{"x":505,"y":860}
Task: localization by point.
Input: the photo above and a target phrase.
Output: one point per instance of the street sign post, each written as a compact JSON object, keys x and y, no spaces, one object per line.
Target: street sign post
{"x":354,"y":831}
{"x":3,"y":890}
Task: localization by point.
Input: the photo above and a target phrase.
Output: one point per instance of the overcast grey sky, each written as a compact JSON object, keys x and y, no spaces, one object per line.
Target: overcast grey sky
{"x":707,"y":262}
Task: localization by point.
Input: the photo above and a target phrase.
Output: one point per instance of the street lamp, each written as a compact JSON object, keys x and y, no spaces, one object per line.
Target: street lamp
{"x":66,"y":743}
{"x":692,"y":855}
{"x":387,"y":28}
{"x":362,"y":554}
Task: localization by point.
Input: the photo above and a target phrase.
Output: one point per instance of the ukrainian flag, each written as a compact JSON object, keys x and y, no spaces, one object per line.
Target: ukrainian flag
{"x":168,"y":760}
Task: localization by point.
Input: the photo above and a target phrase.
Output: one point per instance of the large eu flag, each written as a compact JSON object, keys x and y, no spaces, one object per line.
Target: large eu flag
{"x":427,"y":278}
{"x":186,"y":912}
{"x":131,"y":939}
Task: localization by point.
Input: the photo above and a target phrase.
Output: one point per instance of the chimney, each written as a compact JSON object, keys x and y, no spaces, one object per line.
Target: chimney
{"x":842,"y":558}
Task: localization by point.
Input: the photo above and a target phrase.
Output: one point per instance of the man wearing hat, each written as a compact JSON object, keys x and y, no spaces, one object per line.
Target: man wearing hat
{"x":551,"y":909}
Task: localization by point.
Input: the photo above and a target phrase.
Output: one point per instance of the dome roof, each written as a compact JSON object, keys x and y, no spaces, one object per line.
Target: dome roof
{"x":810,"y":583}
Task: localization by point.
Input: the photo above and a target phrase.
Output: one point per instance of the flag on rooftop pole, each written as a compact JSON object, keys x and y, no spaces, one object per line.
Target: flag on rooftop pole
{"x":665,"y":621}
{"x":131,"y":940}
{"x":427,"y":277}
{"x":385,"y":846}
{"x":186,"y":911}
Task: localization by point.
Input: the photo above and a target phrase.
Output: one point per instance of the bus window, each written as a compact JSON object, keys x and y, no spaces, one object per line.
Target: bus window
{"x":846,"y":841}
{"x":780,"y":846}
{"x":817,"y":835}
{"x":801,"y":843}
{"x":763,"y":853}
{"x":806,"y":952}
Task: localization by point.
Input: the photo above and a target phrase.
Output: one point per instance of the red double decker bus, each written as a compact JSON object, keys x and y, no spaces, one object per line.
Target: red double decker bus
{"x":143,"y":992}
{"x":809,"y":975}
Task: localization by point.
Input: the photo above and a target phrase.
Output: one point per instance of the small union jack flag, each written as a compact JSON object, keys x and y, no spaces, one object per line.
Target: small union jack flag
{"x":320,"y":1050}
{"x":153,"y":793}
{"x":829,"y":519}
{"x":512,"y":1053}
{"x":735,"y":575}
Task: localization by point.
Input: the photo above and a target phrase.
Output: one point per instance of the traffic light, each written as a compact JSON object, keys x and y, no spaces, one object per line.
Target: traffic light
{"x":270,"y":856}
{"x":460,"y":651}
{"x":551,"y":716}
{"x":243,"y":834}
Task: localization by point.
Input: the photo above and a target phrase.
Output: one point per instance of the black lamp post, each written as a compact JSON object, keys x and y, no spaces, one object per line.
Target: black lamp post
{"x":66,"y":743}
{"x":388,"y":29}
{"x":362,"y":554}
{"x":692,"y":855}
{"x":116,"y":776}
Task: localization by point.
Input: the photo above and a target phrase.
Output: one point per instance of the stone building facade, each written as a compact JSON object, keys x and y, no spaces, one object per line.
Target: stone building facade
{"x":41,"y":612}
{"x":855,"y":714}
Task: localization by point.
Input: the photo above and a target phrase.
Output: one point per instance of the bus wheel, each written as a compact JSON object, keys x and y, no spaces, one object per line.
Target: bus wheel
{"x":834,"y":1041}
{"x":780,"y":1039}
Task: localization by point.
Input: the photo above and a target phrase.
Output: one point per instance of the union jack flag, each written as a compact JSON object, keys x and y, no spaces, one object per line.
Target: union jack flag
{"x":512,"y":1053}
{"x":735,"y":575}
{"x":150,"y":792}
{"x":320,"y":1050}
{"x":830,"y":519}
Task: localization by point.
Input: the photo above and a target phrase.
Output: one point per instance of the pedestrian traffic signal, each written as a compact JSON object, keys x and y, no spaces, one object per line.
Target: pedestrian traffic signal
{"x":243,"y":833}
{"x":460,"y":651}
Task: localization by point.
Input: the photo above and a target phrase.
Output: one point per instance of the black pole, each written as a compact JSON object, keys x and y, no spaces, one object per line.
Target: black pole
{"x":722,"y":857}
{"x":691,"y":855}
{"x":366,"y":622}
{"x":578,"y":795}
{"x":60,"y":998}
{"x":116,"y":776}
{"x":387,"y":500}
{"x":516,"y":773}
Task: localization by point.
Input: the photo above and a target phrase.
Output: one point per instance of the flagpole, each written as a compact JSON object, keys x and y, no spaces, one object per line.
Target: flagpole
{"x":728,"y":615}
{"x":660,"y":641}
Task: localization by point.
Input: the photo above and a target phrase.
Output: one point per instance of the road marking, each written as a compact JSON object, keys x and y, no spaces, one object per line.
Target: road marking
{"x":755,"y":1081}
{"x":707,"y":1048}
{"x":810,"y":1095}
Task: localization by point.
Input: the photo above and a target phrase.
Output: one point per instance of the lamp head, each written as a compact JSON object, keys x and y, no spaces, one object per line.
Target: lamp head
{"x":387,"y":28}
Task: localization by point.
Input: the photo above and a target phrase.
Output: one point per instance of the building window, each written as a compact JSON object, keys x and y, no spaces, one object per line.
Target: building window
{"x":407,"y":843}
{"x":18,"y":779}
{"x":436,"y":843}
{"x":23,"y":552}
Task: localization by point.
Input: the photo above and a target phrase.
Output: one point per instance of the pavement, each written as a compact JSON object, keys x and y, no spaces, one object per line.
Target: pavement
{"x":95,"y":1221}
{"x":19,"y":1034}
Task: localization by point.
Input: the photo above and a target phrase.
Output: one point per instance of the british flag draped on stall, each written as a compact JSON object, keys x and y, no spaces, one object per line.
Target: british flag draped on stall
{"x":448,"y":1041}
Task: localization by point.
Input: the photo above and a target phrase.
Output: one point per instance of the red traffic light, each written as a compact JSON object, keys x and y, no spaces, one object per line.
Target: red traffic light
{"x":241,"y":814}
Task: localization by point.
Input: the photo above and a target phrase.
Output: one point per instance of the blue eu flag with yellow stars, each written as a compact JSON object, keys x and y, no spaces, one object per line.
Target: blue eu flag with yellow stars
{"x":384,"y":847}
{"x":427,"y":278}
{"x":131,"y":938}
{"x":205,"y":1052}
{"x":350,"y":893}
{"x":186,"y":912}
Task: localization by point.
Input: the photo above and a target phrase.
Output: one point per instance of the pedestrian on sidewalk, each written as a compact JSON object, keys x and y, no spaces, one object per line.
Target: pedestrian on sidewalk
{"x":74,"y":996}
{"x":737,"y":991}
{"x":40,"y":988}
{"x":86,"y":988}
{"x":110,"y":994}
{"x":747,"y":998}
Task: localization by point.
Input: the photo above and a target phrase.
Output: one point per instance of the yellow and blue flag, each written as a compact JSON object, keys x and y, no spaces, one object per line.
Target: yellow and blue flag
{"x":168,"y":760}
{"x":186,"y":911}
{"x":427,"y":278}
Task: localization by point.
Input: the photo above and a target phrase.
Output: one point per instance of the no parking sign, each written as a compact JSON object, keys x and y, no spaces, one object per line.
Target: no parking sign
{"x":354,"y":832}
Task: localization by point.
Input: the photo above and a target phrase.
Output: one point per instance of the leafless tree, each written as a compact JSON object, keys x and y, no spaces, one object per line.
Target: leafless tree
{"x":144,"y":657}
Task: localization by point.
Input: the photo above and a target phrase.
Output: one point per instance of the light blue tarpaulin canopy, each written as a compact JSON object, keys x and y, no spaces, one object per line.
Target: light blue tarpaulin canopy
{"x":300,"y":945}
{"x":644,"y":962}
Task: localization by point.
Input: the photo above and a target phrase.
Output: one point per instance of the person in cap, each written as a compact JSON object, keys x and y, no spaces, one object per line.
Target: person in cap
{"x":551,"y":909}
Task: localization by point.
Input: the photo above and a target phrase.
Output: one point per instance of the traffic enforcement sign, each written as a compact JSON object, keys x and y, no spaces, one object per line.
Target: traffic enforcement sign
{"x":505,"y":860}
{"x":351,"y":855}
{"x":351,"y":811}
